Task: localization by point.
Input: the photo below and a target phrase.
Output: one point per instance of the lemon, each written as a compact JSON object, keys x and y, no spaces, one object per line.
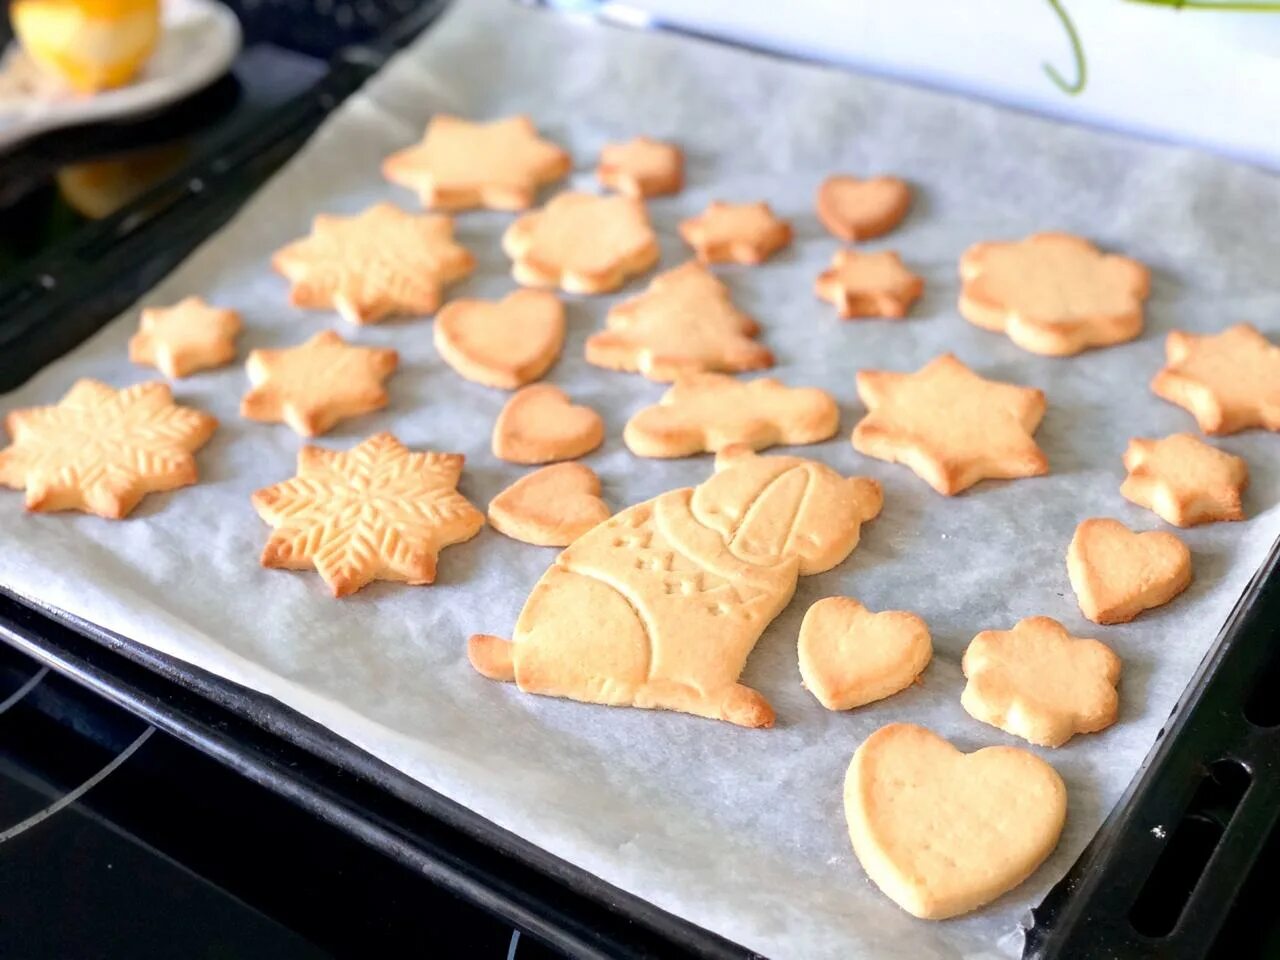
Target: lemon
{"x":90,"y":44}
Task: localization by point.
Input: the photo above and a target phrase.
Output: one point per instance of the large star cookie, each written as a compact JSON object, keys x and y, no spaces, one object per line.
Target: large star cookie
{"x":1184,"y":480}
{"x":869,"y":284}
{"x":101,"y":450}
{"x":316,"y":384}
{"x":641,"y":167}
{"x":747,"y":233}
{"x":1053,"y":293}
{"x":708,"y":412}
{"x":582,"y":242}
{"x":184,"y":338}
{"x":1228,"y":381}
{"x":685,"y":322}
{"x":374,"y":265}
{"x":949,"y":425}
{"x":376,"y":512}
{"x":461,"y":164}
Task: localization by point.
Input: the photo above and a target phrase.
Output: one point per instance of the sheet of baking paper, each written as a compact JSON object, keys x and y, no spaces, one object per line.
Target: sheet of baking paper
{"x":740,"y":831}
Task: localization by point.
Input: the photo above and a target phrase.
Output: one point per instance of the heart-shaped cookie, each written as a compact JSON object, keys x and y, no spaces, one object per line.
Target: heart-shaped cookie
{"x":1117,"y":573}
{"x":539,"y":425}
{"x":943,"y":832}
{"x":550,"y":507}
{"x":850,"y":656}
{"x":505,"y":344}
{"x":854,"y":209}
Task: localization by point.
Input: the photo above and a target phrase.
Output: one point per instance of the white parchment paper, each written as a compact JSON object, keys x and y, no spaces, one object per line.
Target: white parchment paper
{"x":741,"y":831}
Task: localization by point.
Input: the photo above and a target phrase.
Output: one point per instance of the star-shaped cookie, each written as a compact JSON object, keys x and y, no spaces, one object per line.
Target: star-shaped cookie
{"x":736,"y":233}
{"x":101,"y":450}
{"x":582,"y":242}
{"x":869,"y":284}
{"x":641,"y":167}
{"x":376,"y":264}
{"x":1184,"y":480}
{"x":378,"y":511}
{"x":949,"y":425}
{"x":1229,"y":381}
{"x":184,"y":338}
{"x":461,"y":164}
{"x":314,"y":385}
{"x":1053,"y":293}
{"x":685,"y":322}
{"x":1038,"y":682}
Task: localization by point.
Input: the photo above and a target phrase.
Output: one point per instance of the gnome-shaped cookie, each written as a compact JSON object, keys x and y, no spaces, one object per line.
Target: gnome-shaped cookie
{"x":660,"y":606}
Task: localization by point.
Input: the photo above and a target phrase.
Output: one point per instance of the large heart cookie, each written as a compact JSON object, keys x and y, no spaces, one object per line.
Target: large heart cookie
{"x":1117,"y":573}
{"x":943,"y":832}
{"x":550,"y":507}
{"x":850,"y":656}
{"x":505,"y":344}
{"x":539,"y":425}
{"x":854,"y":209}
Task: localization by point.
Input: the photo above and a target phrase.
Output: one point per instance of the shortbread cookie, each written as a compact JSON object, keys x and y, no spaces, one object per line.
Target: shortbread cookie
{"x":1117,"y":573}
{"x":378,"y":511}
{"x":949,"y":425}
{"x":380,"y":263}
{"x":641,"y":167}
{"x":184,"y":338}
{"x":551,"y":507}
{"x":943,"y":832}
{"x":856,"y":210}
{"x":706,"y":412}
{"x":736,"y":233}
{"x":100,"y":450}
{"x":850,"y":656}
{"x":869,"y":284}
{"x":540,"y":425}
{"x":1228,"y":381}
{"x":1053,"y":293}
{"x":505,"y":344}
{"x":316,"y":384}
{"x":1184,"y":480}
{"x":685,"y":322}
{"x":461,"y":164}
{"x":582,"y":243}
{"x":661,"y":605}
{"x":1038,"y":682}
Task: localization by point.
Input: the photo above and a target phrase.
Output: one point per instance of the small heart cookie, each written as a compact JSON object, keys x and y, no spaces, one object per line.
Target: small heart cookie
{"x":850,"y":656}
{"x":505,"y":344}
{"x":854,"y":209}
{"x":943,"y":832}
{"x":540,"y":425}
{"x":550,"y":507}
{"x":1117,"y":573}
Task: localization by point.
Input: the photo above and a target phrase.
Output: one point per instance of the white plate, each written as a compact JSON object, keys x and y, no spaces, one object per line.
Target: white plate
{"x":200,"y":38}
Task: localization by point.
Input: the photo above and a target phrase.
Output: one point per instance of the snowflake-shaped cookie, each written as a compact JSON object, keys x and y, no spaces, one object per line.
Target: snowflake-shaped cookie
{"x":186,"y":337}
{"x":1229,"y":381}
{"x":376,"y":512}
{"x":102,"y":450}
{"x":381,"y":262}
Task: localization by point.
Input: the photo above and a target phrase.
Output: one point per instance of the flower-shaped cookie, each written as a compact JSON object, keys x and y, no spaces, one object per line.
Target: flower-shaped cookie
{"x":184,"y":338}
{"x":367,"y":267}
{"x":747,"y":233}
{"x":1228,"y":381}
{"x":461,"y":164}
{"x":641,"y":167}
{"x":1053,"y":293}
{"x":869,"y":284}
{"x":1184,"y":480}
{"x":1038,"y":682}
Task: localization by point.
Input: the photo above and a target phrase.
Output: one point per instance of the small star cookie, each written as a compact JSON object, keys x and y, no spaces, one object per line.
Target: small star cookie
{"x":582,"y":242}
{"x":504,"y":344}
{"x":855,"y":210}
{"x":869,"y":284}
{"x":378,"y":511}
{"x":1229,"y":381}
{"x":539,"y":424}
{"x":1038,"y":682}
{"x":708,"y":412}
{"x":949,"y":425}
{"x":316,"y":384}
{"x":684,"y":322}
{"x":1053,"y":293}
{"x":376,"y":264}
{"x":101,"y":450}
{"x":641,"y":168}
{"x":460,"y":164}
{"x":550,"y":507}
{"x":1184,"y":480}
{"x":184,"y":338}
{"x":1116,"y":573}
{"x":747,"y":233}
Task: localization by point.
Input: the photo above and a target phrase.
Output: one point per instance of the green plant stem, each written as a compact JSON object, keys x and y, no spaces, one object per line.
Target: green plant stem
{"x":1071,"y":89}
{"x":1230,"y":6}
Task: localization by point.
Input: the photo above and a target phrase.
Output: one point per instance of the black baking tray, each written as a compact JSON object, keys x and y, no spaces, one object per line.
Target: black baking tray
{"x":1172,"y":873}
